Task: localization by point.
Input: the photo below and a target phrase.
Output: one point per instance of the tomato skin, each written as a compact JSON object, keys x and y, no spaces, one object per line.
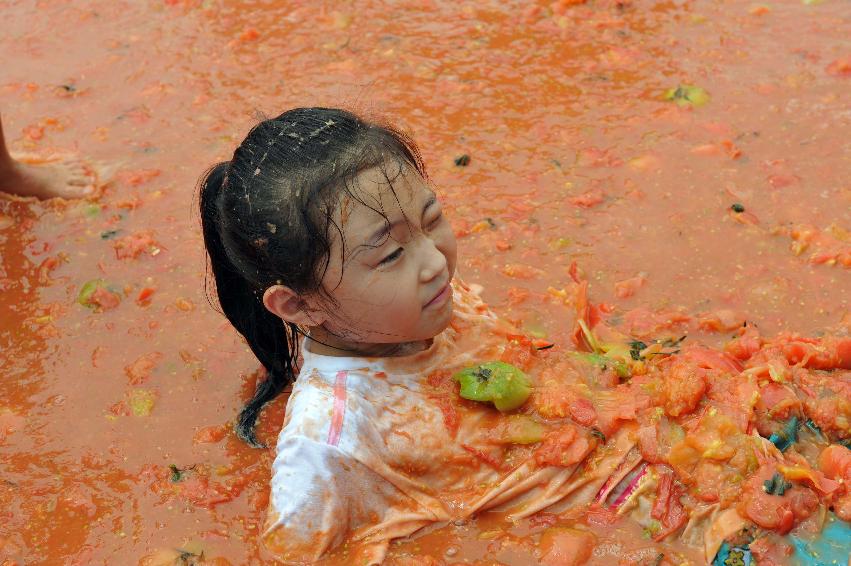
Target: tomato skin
{"x":628,"y":287}
{"x":648,"y":444}
{"x":829,"y":352}
{"x":554,"y":399}
{"x":723,"y":320}
{"x":769,"y":516}
{"x":776,"y":512}
{"x":104,"y":299}
{"x":746,"y":345}
{"x":655,"y":440}
{"x":713,"y":359}
{"x":586,"y":312}
{"x":519,"y":352}
{"x":843,"y":353}
{"x":684,"y":385}
{"x":842,"y":507}
{"x":210,"y":434}
{"x":778,"y":400}
{"x":667,"y":507}
{"x":566,"y":546}
{"x":551,"y":400}
{"x":830,"y":408}
{"x":776,"y":404}
{"x":839,"y":67}
{"x":771,"y":551}
{"x":835,"y":462}
{"x":663,"y":495}
{"x":589,"y":199}
{"x":602,"y":515}
{"x":582,"y":411}
{"x":145,"y":295}
{"x":616,"y":406}
{"x":414,"y":561}
{"x":563,"y":447}
{"x":708,"y":477}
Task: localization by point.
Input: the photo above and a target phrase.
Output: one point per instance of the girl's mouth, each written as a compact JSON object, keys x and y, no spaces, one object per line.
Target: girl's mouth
{"x":440,"y":298}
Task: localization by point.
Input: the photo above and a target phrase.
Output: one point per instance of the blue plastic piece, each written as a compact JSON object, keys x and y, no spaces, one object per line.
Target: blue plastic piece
{"x":831,"y":548}
{"x":787,"y":436}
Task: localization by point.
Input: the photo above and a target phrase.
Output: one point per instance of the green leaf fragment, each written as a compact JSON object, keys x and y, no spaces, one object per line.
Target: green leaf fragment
{"x":462,"y":160}
{"x":495,"y":382}
{"x":604,"y":362}
{"x":560,"y":243}
{"x":652,"y":529}
{"x":91,"y":210}
{"x":777,"y":485}
{"x":178,"y":474}
{"x":687,"y":95}
{"x":635,"y":348}
{"x":141,"y":402}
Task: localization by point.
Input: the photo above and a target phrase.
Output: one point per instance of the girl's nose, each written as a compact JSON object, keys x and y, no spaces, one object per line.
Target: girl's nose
{"x":434,"y":262}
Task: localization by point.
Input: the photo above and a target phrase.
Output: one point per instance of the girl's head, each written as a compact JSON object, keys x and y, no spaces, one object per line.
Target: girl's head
{"x":324,"y":222}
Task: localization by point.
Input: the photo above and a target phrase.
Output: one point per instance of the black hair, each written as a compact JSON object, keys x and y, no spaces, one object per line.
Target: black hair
{"x":267,"y":218}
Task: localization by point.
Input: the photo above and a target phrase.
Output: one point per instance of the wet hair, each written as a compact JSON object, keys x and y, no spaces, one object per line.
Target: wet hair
{"x":268,"y":218}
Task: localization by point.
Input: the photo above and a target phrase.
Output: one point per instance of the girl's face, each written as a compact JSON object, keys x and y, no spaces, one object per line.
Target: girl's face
{"x":391,"y":278}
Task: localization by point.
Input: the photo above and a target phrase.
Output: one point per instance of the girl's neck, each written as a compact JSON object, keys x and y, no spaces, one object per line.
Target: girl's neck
{"x":320,"y":341}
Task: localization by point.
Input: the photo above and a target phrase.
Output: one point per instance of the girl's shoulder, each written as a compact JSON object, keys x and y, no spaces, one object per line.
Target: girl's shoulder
{"x":334,"y":398}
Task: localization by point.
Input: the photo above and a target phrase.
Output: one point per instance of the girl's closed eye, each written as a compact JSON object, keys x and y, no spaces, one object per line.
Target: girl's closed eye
{"x":435,"y":221}
{"x":397,"y":253}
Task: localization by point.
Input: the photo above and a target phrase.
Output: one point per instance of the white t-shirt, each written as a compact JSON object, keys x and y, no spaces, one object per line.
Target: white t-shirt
{"x":368,"y":453}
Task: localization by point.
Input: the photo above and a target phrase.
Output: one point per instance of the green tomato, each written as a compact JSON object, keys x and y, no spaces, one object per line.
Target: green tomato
{"x":495,"y":382}
{"x":522,"y":429}
{"x":86,"y":292}
{"x":603,"y":361}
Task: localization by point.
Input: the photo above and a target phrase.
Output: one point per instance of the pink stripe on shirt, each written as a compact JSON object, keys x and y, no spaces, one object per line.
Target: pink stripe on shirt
{"x":339,"y":408}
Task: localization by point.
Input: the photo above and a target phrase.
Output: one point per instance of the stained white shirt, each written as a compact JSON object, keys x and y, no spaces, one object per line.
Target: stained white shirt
{"x":365,"y":454}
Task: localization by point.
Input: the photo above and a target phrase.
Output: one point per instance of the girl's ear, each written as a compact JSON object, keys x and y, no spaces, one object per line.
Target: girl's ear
{"x":282,"y":301}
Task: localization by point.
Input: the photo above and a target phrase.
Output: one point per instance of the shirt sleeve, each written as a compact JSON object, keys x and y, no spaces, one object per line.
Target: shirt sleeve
{"x":320,"y":497}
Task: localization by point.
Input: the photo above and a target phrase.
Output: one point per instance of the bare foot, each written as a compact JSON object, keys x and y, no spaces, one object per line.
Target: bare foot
{"x":65,"y":178}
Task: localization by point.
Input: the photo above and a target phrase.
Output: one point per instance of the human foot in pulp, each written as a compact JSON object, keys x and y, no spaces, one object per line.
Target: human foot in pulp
{"x":45,"y":178}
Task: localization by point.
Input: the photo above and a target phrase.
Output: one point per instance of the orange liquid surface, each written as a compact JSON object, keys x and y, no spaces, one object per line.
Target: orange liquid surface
{"x":575,"y":155}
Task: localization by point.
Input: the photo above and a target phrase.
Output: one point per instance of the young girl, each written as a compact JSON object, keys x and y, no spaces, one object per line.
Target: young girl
{"x":324,"y":226}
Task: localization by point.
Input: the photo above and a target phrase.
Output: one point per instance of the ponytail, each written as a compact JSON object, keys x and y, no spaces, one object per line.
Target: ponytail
{"x":274,"y":342}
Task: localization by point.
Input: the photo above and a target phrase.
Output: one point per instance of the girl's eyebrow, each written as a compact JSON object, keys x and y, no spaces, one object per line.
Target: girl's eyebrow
{"x":382,"y":232}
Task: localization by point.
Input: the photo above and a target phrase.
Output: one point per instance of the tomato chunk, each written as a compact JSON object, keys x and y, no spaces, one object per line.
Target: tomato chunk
{"x":566,"y":546}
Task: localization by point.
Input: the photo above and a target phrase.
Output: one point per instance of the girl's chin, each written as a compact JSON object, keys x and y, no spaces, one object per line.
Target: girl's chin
{"x":443,"y":317}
